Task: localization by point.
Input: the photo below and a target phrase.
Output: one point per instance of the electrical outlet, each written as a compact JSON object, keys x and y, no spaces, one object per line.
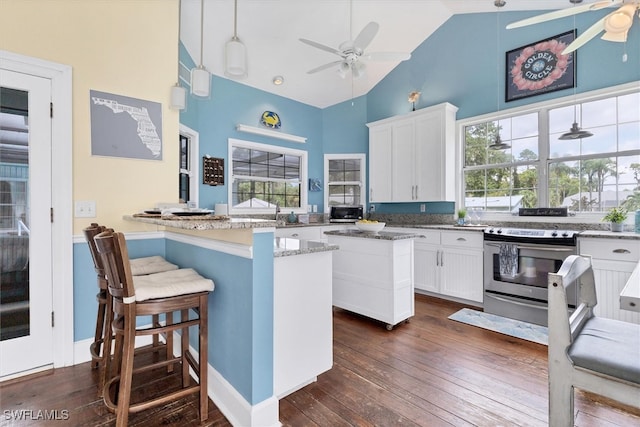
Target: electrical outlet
{"x":309,"y":208}
{"x":372,"y":208}
{"x":85,"y":209}
{"x":423,"y":208}
{"x":315,"y":208}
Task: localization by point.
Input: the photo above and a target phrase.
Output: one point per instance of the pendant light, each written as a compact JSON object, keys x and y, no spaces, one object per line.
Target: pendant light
{"x":235,"y":54}
{"x":178,"y":93}
{"x":497,"y":143}
{"x":575,"y":132}
{"x":200,"y":76}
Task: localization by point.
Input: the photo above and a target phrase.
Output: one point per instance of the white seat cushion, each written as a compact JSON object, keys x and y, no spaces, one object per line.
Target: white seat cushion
{"x":170,"y":283}
{"x":150,"y":265}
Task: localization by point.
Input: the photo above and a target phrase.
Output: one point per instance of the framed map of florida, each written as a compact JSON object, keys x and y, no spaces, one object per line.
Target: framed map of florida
{"x":125,"y":127}
{"x":540,"y":67}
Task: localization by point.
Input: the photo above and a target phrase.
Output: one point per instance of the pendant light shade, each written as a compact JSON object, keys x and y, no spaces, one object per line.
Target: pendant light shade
{"x":178,"y":97}
{"x":575,"y":133}
{"x":235,"y":56}
{"x":235,"y":52}
{"x":498,"y":144}
{"x":200,"y":76}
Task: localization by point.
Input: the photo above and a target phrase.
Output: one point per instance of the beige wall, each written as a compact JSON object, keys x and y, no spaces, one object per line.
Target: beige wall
{"x":126,"y":47}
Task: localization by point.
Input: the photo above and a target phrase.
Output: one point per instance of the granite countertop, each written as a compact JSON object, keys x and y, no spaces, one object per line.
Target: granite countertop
{"x":285,"y":246}
{"x":381,"y":235}
{"x":204,"y":223}
{"x":602,"y":234}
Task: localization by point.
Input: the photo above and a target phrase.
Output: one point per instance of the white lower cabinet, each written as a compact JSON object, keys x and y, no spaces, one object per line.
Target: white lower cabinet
{"x":449,"y":263}
{"x":613,"y":261}
{"x":297,"y":232}
{"x":374,"y":277}
{"x":303,"y":320}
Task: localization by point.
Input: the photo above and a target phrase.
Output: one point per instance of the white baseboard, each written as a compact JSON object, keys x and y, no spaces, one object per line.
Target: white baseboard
{"x":231,"y":403}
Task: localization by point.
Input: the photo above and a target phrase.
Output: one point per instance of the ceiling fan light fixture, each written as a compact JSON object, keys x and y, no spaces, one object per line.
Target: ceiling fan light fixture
{"x":615,"y":37}
{"x":575,"y":133}
{"x":235,"y":59}
{"x":621,"y":20}
{"x":358,"y":70}
{"x":343,"y":69}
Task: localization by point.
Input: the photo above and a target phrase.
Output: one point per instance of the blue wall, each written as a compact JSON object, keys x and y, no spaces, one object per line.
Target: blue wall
{"x":462,"y":62}
{"x":459,"y":63}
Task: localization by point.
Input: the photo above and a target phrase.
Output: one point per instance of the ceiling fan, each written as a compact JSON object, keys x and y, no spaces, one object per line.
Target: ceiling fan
{"x":351,"y":52}
{"x":615,"y":25}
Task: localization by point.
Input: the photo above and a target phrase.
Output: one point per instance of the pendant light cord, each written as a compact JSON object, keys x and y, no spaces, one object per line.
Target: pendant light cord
{"x":201,"y":30}
{"x":235,"y":19}
{"x":179,"y":27}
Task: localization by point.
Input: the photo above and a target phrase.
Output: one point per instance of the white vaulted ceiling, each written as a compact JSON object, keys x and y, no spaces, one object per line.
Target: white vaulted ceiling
{"x":271,"y":30}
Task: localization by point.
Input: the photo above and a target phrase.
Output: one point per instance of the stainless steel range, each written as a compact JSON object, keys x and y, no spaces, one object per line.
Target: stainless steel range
{"x":516,"y":264}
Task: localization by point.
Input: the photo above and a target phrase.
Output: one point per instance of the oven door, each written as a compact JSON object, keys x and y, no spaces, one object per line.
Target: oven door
{"x":535,"y":262}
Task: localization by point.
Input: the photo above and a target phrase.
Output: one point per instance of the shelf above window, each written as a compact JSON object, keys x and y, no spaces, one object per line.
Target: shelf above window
{"x":270,"y":133}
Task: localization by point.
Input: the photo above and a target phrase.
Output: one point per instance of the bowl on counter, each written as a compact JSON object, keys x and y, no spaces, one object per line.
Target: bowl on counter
{"x":370,"y":227}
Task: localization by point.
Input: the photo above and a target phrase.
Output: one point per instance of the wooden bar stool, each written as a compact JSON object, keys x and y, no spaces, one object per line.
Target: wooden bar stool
{"x":102,"y":338}
{"x":179,"y":290}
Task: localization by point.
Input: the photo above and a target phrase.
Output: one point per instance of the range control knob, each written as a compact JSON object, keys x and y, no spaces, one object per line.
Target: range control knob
{"x":565,"y":234}
{"x":554,"y":234}
{"x":491,"y":231}
{"x":499,"y":231}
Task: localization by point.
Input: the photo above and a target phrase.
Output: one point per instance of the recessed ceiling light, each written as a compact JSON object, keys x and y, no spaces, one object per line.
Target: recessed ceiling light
{"x":278,"y":80}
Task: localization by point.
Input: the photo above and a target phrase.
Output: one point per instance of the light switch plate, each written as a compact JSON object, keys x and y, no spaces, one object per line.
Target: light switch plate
{"x":85,"y":209}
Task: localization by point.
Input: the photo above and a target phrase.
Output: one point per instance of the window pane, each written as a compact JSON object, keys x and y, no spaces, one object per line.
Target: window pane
{"x":344,"y":195}
{"x":629,"y":108}
{"x":525,"y":126}
{"x":599,"y":113}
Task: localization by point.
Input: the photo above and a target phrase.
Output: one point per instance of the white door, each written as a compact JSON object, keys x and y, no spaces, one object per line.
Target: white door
{"x":25,"y":223}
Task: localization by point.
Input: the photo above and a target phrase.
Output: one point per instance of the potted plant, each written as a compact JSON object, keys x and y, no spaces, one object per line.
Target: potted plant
{"x":462,"y":213}
{"x":616,"y":217}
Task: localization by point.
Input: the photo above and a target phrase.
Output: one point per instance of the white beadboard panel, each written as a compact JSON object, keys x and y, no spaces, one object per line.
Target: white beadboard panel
{"x":609,"y":284}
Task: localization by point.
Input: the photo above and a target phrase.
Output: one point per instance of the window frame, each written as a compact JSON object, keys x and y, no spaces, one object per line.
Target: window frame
{"x":542,"y":109}
{"x":304,"y":165}
{"x":363,"y":176}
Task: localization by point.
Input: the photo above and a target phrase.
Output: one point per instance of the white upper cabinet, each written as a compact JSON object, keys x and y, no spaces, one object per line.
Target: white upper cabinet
{"x":412,"y":157}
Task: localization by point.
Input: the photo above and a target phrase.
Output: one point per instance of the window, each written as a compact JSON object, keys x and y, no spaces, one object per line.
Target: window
{"x":345,"y":178}
{"x":535,"y":168}
{"x":189,"y":166}
{"x":264,"y":177}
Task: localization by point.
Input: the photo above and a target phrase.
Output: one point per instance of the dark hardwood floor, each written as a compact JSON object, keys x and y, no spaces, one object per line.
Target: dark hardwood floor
{"x":430,"y":372}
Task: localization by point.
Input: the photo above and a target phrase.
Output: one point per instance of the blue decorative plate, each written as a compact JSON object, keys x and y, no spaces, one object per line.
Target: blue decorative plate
{"x":270,"y":120}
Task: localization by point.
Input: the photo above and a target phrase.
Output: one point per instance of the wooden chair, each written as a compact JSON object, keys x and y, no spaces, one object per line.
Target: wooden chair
{"x":595,"y":354}
{"x":101,"y":346}
{"x":179,"y":290}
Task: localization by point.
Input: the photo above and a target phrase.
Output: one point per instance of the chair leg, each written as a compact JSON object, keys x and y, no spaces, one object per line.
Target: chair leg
{"x":100,"y":330}
{"x":561,"y":409}
{"x":126,"y":370}
{"x":169,"y":340}
{"x":203,"y":362}
{"x":105,"y":372}
{"x":184,"y":316}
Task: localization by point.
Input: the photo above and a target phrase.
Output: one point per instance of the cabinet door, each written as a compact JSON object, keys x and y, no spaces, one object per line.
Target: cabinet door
{"x":425,"y":267}
{"x":403,"y":158}
{"x":461,"y":273}
{"x":428,"y":157}
{"x":380,"y":139}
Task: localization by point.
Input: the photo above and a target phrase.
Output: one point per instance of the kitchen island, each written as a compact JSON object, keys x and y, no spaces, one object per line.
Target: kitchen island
{"x":373,"y":274}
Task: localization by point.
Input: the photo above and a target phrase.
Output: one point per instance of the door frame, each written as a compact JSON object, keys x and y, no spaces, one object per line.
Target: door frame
{"x":61,"y":195}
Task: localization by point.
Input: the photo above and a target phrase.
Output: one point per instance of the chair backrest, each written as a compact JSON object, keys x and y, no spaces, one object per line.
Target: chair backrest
{"x":112,"y":248}
{"x":89,"y":233}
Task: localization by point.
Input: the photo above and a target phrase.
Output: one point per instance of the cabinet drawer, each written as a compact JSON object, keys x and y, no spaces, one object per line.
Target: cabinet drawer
{"x":305,"y":233}
{"x":429,"y":237}
{"x":611,"y":249}
{"x":462,"y":238}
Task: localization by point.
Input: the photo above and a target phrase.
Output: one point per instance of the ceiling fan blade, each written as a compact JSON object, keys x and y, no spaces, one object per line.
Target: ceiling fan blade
{"x":323,"y":67}
{"x":562,"y":13}
{"x":321,"y":46}
{"x":366,"y":36}
{"x":387,"y":56}
{"x":590,"y":33}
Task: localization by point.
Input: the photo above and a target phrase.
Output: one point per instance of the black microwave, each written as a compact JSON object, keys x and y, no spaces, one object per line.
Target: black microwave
{"x":345,"y":213}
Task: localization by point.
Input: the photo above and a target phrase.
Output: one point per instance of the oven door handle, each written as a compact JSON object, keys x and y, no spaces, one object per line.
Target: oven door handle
{"x":524,"y":304}
{"x":538,"y":248}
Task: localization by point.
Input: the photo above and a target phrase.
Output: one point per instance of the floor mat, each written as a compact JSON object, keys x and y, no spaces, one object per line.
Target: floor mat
{"x":514,"y":328}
